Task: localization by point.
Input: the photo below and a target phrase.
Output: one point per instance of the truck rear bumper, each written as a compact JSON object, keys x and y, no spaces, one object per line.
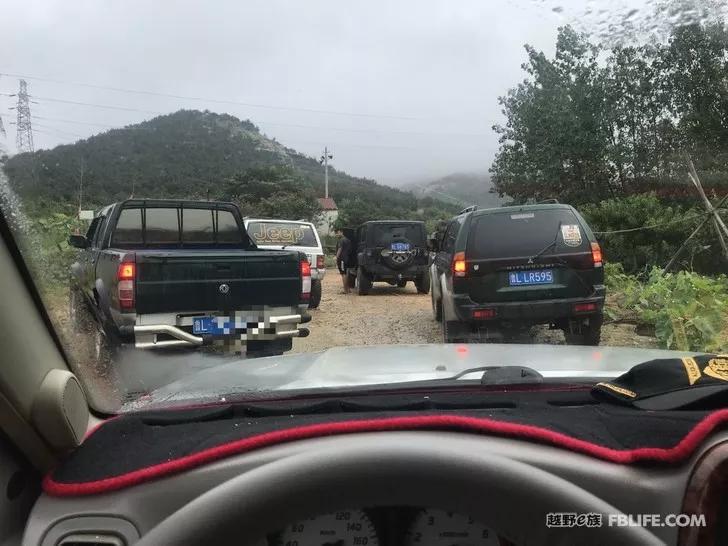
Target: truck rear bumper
{"x":535,"y":312}
{"x":159,"y":336}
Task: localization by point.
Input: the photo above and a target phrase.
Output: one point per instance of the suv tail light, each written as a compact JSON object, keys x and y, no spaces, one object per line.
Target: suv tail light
{"x":320,"y":261}
{"x":596,"y":254}
{"x":126,"y":275}
{"x":585,"y":307}
{"x":305,"y":280}
{"x":484,"y":314}
{"x":459,"y":267}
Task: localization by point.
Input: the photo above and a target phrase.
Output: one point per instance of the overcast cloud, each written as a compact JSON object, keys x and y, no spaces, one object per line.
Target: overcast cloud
{"x":414,"y":84}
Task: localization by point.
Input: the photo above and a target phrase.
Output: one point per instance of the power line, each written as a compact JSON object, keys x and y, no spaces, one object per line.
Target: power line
{"x":652,"y":226}
{"x":76,"y":122}
{"x":207,"y":99}
{"x":107,"y":106}
{"x":274,"y":123}
{"x":59,"y":130}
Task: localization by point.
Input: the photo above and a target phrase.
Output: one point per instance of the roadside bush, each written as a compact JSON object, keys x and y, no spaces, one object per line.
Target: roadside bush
{"x":639,"y":251}
{"x":688,"y":311}
{"x":46,"y":250}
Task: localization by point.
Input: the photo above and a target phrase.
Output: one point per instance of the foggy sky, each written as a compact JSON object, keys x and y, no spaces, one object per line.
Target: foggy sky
{"x":400,"y":91}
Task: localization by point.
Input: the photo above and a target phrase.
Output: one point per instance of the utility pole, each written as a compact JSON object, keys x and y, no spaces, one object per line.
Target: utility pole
{"x":2,"y":132}
{"x":81,"y":172}
{"x":24,"y":134}
{"x":324,"y":160}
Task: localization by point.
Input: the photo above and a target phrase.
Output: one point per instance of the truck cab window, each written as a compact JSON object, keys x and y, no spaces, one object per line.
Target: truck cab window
{"x":162,"y":225}
{"x":128,"y":227}
{"x":197,"y":226}
{"x":228,"y":230}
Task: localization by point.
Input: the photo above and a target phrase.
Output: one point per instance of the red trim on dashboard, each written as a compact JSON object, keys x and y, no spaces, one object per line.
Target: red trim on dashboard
{"x":675,"y":454}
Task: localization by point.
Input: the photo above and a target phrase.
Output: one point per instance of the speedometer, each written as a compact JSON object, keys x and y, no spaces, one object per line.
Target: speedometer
{"x":440,"y":528}
{"x":342,"y":528}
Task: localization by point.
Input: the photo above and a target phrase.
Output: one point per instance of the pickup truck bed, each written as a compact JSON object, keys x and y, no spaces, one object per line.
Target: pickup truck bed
{"x":176,"y":292}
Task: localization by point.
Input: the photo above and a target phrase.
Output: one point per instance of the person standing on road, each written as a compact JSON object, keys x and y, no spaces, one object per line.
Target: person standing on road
{"x":343,"y":249}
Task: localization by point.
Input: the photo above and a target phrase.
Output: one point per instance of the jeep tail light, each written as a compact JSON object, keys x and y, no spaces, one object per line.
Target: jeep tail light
{"x":126,"y":275}
{"x":320,"y":261}
{"x":596,"y":254}
{"x":305,"y":280}
{"x":483,"y":314}
{"x":585,"y":307}
{"x":459,"y":267}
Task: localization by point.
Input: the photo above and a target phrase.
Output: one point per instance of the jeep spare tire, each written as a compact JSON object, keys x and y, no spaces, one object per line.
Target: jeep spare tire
{"x":399,"y":259}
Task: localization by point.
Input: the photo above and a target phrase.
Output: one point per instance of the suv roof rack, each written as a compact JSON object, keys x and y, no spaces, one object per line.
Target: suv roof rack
{"x":546,"y":201}
{"x":471,"y":208}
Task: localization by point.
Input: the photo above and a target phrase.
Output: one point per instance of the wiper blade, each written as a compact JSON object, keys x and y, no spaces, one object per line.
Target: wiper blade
{"x":503,"y":375}
{"x":548,"y":246}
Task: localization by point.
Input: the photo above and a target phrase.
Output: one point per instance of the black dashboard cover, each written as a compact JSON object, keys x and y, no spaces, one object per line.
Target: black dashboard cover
{"x":138,"y":447}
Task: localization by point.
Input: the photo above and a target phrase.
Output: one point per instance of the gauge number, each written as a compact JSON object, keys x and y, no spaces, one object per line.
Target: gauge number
{"x":342,"y":528}
{"x":441,"y":528}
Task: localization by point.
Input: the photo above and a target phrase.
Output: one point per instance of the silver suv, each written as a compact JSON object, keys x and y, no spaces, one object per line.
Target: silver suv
{"x":292,"y":235}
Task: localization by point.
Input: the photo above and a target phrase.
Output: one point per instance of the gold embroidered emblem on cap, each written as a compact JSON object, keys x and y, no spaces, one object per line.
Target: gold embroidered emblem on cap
{"x":717,"y":368}
{"x":692,"y":369}
{"x":620,"y":390}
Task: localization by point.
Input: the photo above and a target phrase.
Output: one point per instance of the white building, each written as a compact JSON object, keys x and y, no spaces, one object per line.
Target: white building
{"x":329,"y":214}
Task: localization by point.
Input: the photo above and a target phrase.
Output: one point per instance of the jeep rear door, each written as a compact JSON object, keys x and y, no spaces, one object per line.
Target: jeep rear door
{"x":532,"y":254}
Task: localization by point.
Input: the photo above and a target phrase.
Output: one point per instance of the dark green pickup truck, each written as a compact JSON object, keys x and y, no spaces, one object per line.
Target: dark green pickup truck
{"x":164,"y":273}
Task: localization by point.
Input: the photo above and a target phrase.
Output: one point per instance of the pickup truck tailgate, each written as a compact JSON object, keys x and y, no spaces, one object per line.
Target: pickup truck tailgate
{"x":193,"y":280}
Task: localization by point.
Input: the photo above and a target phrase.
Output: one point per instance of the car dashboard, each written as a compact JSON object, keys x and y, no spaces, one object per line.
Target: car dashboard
{"x":123,"y":517}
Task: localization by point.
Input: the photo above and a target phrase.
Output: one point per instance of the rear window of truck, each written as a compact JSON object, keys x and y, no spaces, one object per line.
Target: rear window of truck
{"x":281,"y":233}
{"x":171,"y":226}
{"x":524,"y":233}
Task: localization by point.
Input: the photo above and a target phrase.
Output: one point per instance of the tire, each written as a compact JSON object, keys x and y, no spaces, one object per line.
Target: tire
{"x":363,"y":282}
{"x":401,"y":284}
{"x":590,"y":334}
{"x":454,"y":332}
{"x":423,"y":283}
{"x":436,"y":307}
{"x":315,"y":300}
{"x":79,"y":315}
{"x":105,"y":347}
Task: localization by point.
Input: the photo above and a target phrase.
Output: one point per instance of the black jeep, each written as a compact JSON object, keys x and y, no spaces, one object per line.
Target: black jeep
{"x":393,"y":251}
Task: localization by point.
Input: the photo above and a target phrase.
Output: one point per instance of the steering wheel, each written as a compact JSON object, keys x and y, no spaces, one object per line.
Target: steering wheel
{"x":509,"y":496}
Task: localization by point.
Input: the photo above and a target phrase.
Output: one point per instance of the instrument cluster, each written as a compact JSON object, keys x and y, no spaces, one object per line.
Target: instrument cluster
{"x":387,"y":526}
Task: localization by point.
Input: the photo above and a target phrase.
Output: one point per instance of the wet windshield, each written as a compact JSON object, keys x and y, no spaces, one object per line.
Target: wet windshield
{"x":368,"y":152}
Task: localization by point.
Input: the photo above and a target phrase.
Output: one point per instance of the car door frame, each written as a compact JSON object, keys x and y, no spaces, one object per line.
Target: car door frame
{"x":441,"y":264}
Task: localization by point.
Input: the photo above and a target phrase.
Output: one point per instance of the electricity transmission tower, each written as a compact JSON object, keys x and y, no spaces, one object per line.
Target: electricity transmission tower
{"x":24,"y":134}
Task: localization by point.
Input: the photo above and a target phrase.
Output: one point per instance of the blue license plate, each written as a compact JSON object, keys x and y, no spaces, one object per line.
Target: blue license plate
{"x":217,"y":326}
{"x":400,"y":247}
{"x":525,"y":278}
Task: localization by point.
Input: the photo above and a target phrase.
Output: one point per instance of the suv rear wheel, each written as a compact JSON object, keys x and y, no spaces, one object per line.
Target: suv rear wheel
{"x":363,"y":282}
{"x":422,"y":282}
{"x":315,"y":295}
{"x":401,"y":284}
{"x":585,"y":334}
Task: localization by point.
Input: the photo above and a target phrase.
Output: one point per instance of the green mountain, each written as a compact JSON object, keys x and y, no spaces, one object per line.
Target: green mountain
{"x":459,"y":189}
{"x":197,"y":155}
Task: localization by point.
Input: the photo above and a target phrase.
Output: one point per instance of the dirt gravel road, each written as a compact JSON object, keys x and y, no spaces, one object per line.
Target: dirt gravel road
{"x":401,"y":315}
